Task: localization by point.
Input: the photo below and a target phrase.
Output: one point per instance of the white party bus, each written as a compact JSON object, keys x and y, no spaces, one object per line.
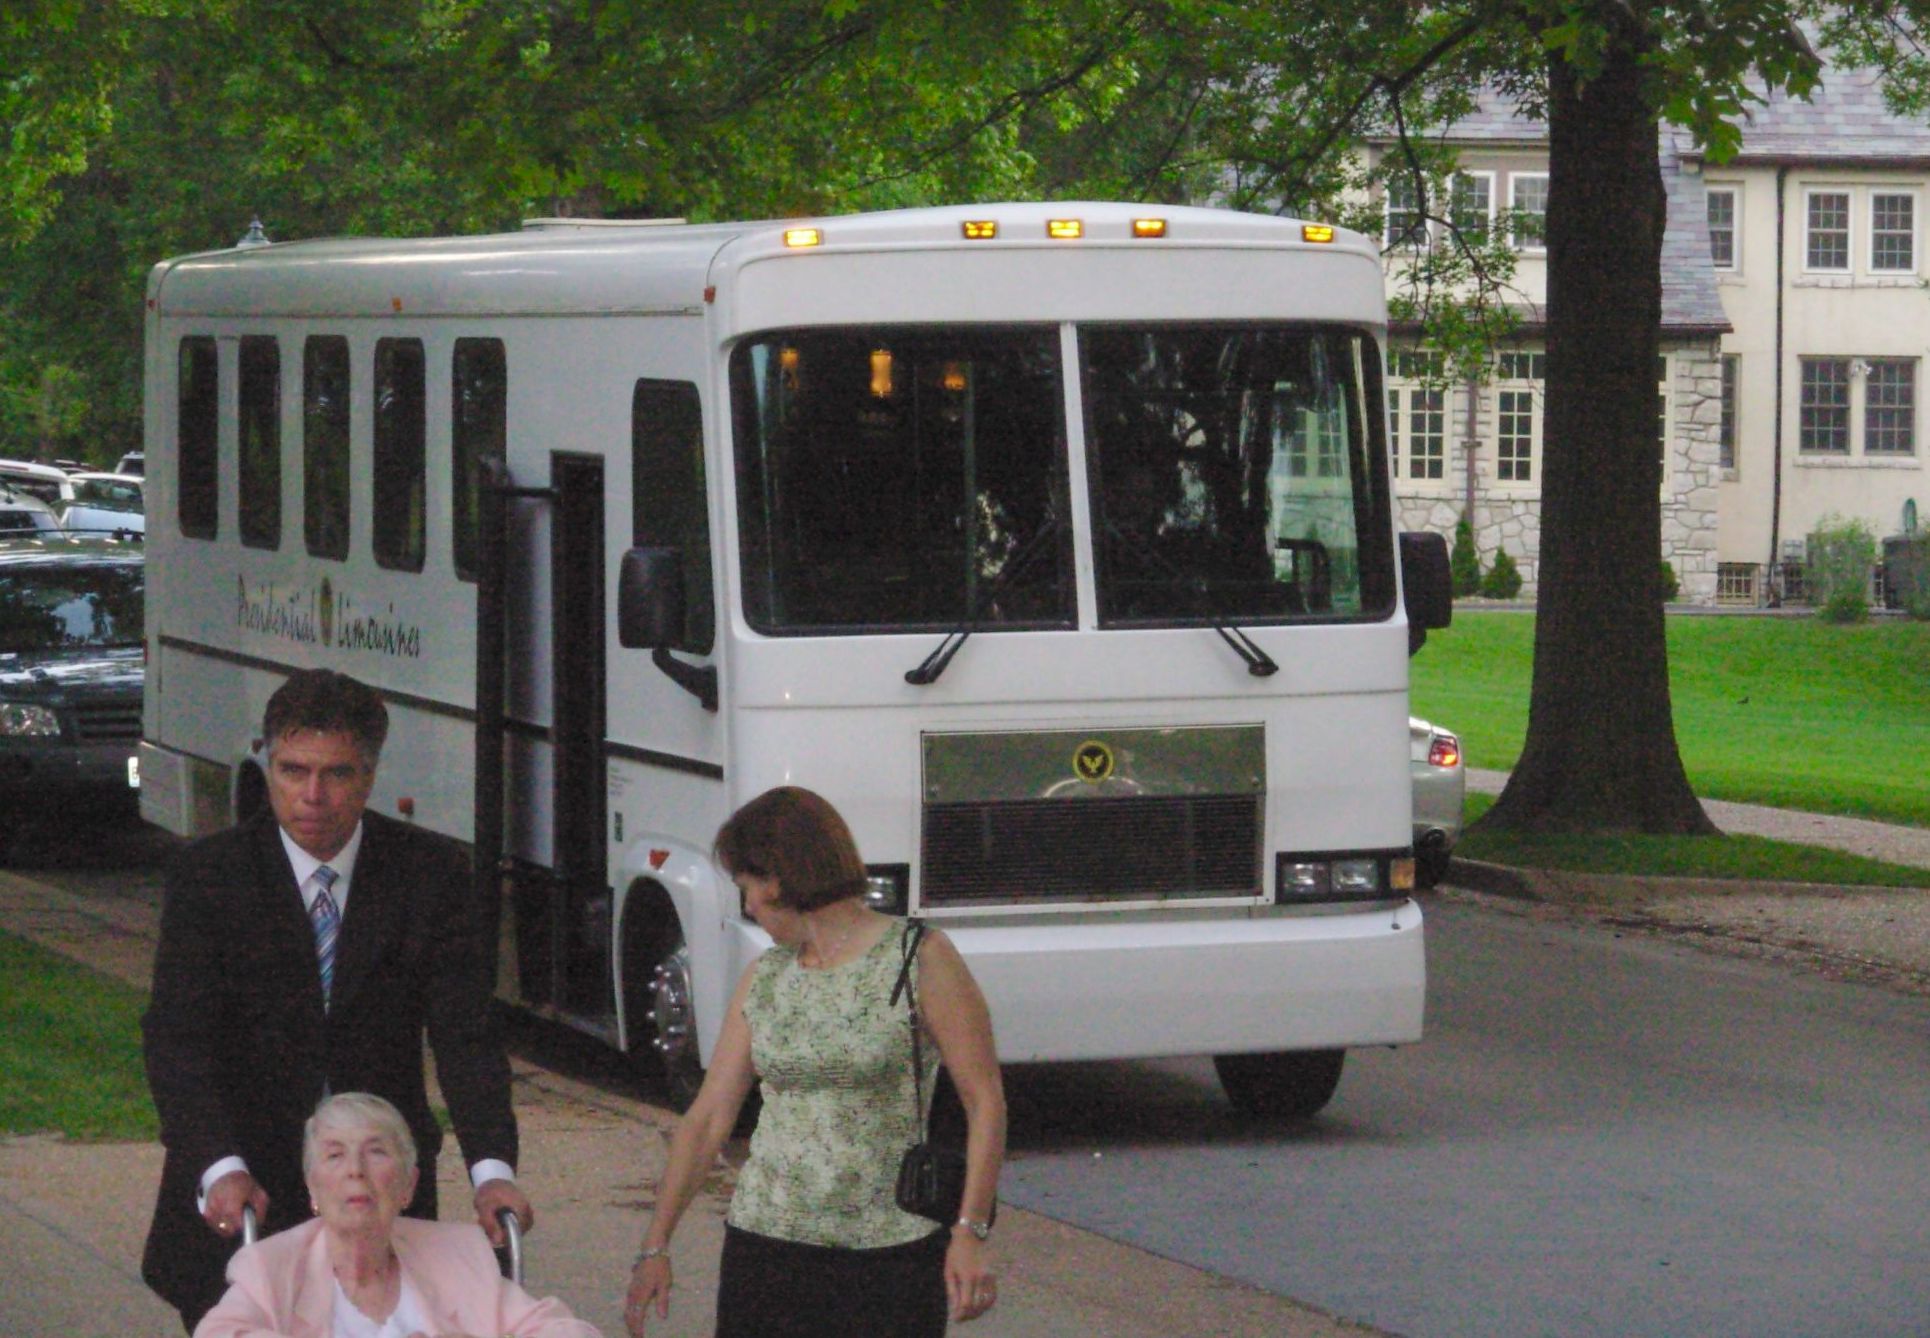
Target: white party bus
{"x":1052,"y":543}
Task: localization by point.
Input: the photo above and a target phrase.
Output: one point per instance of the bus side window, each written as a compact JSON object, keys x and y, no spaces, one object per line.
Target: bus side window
{"x":668,"y":506}
{"x":401,"y":426}
{"x":478,"y":409}
{"x":325,"y":384}
{"x":197,"y":439}
{"x":260,"y":433}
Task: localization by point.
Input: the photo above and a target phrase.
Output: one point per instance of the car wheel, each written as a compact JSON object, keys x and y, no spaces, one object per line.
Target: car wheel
{"x":1281,"y":1084}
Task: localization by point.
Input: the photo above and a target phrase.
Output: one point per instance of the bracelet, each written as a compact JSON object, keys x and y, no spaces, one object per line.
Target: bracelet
{"x":650,"y":1252}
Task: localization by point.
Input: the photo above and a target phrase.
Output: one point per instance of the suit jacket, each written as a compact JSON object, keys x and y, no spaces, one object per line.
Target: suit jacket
{"x":239,"y":1046}
{"x":283,"y":1287}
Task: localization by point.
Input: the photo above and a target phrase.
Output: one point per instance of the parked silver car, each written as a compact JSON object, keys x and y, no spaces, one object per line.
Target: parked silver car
{"x":1440,"y":793}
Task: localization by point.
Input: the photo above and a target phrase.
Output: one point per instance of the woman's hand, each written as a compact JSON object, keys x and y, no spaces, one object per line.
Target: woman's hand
{"x":649,"y":1285}
{"x":968,"y":1278}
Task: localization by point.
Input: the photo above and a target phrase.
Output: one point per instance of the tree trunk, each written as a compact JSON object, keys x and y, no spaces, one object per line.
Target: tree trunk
{"x":1601,"y":753}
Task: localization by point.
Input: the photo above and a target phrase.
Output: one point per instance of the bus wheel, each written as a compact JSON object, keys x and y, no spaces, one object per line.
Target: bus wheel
{"x":673,"y":1027}
{"x":1282,"y":1085}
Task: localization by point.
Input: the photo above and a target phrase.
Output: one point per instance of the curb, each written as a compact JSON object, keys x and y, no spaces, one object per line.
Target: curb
{"x":1569,"y":888}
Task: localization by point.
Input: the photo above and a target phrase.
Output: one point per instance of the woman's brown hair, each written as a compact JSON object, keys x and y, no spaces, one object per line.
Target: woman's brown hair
{"x":795,"y":836}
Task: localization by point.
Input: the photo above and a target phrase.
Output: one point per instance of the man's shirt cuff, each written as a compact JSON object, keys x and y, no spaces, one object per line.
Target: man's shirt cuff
{"x":212,"y":1174}
{"x":490,"y":1169}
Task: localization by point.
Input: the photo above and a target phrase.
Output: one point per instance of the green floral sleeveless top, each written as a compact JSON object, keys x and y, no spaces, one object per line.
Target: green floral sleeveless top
{"x":834,"y":1054}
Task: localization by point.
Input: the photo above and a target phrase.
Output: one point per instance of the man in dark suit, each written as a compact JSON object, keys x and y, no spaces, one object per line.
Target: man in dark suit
{"x":305,"y":952}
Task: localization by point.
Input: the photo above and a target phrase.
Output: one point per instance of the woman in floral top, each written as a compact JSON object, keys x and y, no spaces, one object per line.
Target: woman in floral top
{"x":815,"y":1243}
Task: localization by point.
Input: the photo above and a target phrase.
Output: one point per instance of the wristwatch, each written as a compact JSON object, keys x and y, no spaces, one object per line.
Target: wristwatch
{"x":982,"y":1230}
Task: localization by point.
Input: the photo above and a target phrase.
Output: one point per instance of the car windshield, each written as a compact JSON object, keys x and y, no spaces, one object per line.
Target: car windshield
{"x":108,"y":494}
{"x":50,"y":607}
{"x":1235,"y":474}
{"x":902,"y":479}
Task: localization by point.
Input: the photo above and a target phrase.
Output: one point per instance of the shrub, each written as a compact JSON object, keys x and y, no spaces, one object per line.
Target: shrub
{"x":1503,"y":580}
{"x":1671,"y":587}
{"x":1464,"y":564}
{"x":1839,"y":556}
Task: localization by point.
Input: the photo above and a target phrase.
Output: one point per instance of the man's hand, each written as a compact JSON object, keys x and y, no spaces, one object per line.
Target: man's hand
{"x":492,"y":1196}
{"x":228,"y":1196}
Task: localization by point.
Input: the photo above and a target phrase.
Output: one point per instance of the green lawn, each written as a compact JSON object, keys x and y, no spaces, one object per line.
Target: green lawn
{"x":1792,"y":712}
{"x":70,"y":1046}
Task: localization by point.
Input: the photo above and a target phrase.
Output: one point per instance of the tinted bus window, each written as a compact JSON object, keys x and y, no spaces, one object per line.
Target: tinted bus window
{"x":667,"y":504}
{"x":325,"y":385}
{"x":479,"y":410}
{"x":260,"y":441}
{"x":197,"y":437}
{"x":400,"y":426}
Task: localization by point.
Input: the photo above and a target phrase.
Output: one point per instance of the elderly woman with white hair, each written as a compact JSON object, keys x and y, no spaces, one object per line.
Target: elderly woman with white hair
{"x":358,"y":1269}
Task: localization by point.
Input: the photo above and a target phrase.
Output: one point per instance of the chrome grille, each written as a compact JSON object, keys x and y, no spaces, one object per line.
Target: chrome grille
{"x":1107,"y":849}
{"x":108,"y":722}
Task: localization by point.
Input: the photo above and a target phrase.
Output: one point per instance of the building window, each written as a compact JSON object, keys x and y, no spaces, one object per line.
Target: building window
{"x":259,"y":433}
{"x":1890,"y":406}
{"x":198,"y":437}
{"x":478,"y":426}
{"x":401,"y":421}
{"x":1736,"y":583}
{"x":1471,"y":204}
{"x":1722,"y":226}
{"x":1417,"y":415}
{"x":1893,"y":232}
{"x":1528,"y":210}
{"x":1825,"y":407}
{"x":1662,"y":415}
{"x":1522,"y":366}
{"x":325,"y":387}
{"x":1827,"y":237}
{"x":668,"y":505}
{"x":1515,"y":442}
{"x":1406,"y":221}
{"x":1726,"y":432}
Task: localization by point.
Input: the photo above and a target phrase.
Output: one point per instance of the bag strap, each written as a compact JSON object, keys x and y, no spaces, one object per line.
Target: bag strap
{"x":914,"y":935}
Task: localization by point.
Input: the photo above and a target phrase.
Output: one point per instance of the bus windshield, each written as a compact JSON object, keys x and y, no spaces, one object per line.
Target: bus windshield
{"x":902,"y":479}
{"x":1236,"y":474}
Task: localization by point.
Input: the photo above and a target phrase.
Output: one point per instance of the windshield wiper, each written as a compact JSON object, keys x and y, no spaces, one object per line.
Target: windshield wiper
{"x":1258,"y":662}
{"x":934,"y":663}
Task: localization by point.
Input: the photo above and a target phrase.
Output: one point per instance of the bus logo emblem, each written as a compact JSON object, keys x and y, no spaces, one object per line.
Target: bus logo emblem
{"x":1092,"y":761}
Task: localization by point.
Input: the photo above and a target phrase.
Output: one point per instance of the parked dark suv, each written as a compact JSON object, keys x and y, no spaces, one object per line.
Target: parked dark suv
{"x":71,"y":669}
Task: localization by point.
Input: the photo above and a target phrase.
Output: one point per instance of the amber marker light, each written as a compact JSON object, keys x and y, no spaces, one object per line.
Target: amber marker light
{"x":797,"y":237}
{"x":1149,"y":227}
{"x":979,"y":229}
{"x":1065,"y":229}
{"x":1316,"y":232}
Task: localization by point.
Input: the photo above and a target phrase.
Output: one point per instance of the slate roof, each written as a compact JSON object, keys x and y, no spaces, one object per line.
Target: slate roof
{"x":1845,"y":120}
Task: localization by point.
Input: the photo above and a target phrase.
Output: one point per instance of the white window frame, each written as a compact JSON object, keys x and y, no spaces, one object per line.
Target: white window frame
{"x":1422,"y":233}
{"x":1804,"y":407}
{"x":1729,"y":424}
{"x":1810,"y":195}
{"x":1407,"y":395}
{"x":1861,"y":397}
{"x":1511,"y":391}
{"x":1733,"y":194}
{"x":1520,"y":243}
{"x":1485,"y":225}
{"x":1900,"y":192}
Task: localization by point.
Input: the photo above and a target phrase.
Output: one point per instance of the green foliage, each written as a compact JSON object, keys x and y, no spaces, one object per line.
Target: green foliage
{"x":70,"y":1045}
{"x":1784,"y":711}
{"x":1836,"y":573}
{"x":1670,"y":586}
{"x":1503,"y":580}
{"x":1464,"y":564}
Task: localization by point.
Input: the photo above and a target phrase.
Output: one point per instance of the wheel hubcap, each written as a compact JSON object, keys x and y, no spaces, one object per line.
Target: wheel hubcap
{"x":671,"y":1015}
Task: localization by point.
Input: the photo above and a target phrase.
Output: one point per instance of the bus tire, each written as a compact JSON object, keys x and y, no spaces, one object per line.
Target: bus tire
{"x":1282,"y":1084}
{"x":664,"y":1021}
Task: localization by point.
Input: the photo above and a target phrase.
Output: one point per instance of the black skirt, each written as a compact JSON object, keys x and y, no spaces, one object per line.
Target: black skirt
{"x":771,"y":1288}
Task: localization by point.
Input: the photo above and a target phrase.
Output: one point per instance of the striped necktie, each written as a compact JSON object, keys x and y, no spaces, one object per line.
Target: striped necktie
{"x":328,"y":925}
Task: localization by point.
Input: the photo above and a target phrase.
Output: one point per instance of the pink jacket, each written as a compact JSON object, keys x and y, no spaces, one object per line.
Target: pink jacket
{"x":281,"y":1287}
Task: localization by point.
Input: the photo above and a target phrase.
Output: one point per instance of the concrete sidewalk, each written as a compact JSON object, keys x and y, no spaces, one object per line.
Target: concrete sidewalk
{"x":72,"y":1216}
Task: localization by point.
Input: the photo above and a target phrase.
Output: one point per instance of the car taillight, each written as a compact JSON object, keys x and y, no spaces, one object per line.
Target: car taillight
{"x":1445,"y":751}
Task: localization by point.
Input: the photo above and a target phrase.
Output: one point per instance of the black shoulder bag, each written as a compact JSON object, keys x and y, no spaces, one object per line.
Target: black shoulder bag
{"x":931,"y":1179}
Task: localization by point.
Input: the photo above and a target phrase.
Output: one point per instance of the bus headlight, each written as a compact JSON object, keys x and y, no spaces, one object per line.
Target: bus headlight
{"x":20,"y":720}
{"x":887,"y":887}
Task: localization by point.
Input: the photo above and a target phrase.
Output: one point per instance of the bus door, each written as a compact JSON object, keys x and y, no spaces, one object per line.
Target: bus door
{"x":579,"y":929}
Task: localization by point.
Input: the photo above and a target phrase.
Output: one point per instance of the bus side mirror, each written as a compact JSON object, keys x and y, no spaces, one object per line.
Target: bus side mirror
{"x":1427,"y":589}
{"x":650,"y":616}
{"x":650,"y":599}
